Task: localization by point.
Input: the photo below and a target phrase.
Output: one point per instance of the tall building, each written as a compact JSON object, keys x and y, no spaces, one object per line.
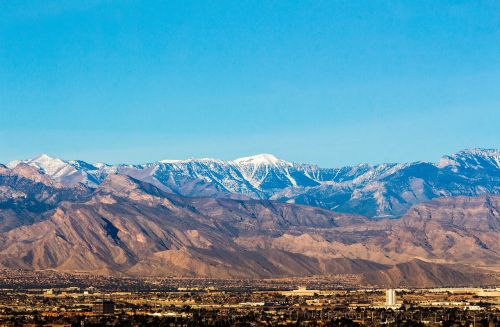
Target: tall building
{"x":103,"y":307}
{"x":390,"y":297}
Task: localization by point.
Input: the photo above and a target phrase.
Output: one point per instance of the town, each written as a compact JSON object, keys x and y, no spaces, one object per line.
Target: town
{"x":55,"y":299}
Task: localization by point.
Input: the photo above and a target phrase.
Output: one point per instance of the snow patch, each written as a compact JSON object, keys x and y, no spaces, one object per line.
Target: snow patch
{"x":260,"y":159}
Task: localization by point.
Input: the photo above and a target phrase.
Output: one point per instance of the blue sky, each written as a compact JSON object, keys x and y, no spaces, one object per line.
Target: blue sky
{"x":329,"y":82}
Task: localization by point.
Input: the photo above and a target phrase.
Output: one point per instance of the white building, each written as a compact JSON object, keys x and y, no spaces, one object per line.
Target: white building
{"x":390,"y":297}
{"x":302,"y":291}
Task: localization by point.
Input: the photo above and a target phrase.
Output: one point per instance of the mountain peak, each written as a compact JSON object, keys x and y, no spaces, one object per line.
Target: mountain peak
{"x":44,"y":157}
{"x":479,"y":152}
{"x":54,"y":167}
{"x":181,"y":161}
{"x":260,"y":159}
{"x":472,"y":158}
{"x":39,"y":161}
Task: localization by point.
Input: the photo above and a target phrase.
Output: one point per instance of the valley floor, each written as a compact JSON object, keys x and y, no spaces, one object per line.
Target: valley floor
{"x":68,"y":300}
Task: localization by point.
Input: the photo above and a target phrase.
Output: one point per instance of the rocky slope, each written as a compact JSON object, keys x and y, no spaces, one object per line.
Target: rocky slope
{"x":26,"y":195}
{"x":376,"y":191}
{"x":126,"y":226}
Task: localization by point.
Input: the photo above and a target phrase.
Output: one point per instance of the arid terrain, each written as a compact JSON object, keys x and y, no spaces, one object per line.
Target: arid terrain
{"x":128,"y":227}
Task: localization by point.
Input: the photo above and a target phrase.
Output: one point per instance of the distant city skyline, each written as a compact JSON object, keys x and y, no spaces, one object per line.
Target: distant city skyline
{"x":331,"y":83}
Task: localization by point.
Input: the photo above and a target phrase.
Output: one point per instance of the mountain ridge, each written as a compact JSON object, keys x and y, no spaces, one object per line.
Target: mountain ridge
{"x":129,"y":227}
{"x":372,"y":190}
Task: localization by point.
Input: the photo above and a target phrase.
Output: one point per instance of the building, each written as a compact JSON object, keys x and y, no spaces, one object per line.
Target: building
{"x":301,"y":291}
{"x":103,"y":307}
{"x":390,"y":297}
{"x":252,"y":304}
{"x":48,"y":291}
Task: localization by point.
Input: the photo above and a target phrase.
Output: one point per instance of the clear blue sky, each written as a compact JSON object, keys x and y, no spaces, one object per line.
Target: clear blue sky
{"x":330,"y":82}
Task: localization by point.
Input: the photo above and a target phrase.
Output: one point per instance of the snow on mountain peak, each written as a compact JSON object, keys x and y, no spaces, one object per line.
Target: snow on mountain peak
{"x":45,"y":161}
{"x":472,"y":158}
{"x":190,"y":160}
{"x":261,"y":159}
{"x":481,"y":152}
{"x":170,"y":161}
{"x":42,"y":156}
{"x":51,"y":166}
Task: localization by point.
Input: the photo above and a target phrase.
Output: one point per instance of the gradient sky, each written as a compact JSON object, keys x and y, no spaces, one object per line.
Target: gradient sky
{"x":329,"y":82}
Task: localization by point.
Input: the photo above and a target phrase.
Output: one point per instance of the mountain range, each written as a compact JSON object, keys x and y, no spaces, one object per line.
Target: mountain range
{"x":243,"y":219}
{"x":383,"y":190}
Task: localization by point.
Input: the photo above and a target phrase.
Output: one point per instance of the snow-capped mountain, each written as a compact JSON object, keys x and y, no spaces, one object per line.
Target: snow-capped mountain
{"x":378,"y":190}
{"x":474,"y":159}
{"x":60,"y":170}
{"x":129,"y":227}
